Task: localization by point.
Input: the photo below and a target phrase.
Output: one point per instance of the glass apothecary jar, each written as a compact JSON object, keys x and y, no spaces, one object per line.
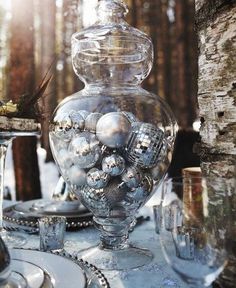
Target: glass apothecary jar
{"x":113,"y":140}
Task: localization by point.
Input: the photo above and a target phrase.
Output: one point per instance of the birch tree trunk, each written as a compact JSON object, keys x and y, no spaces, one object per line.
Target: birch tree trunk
{"x":216,"y":23}
{"x":217,"y":77}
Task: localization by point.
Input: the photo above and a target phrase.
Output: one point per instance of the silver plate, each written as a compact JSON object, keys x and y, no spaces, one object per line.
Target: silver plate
{"x":26,"y":214}
{"x":34,"y":276}
{"x":61,"y":271}
{"x":57,"y":267}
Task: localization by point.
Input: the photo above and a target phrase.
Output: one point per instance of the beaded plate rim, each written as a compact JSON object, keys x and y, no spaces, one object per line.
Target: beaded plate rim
{"x":84,"y":265}
{"x":14,"y":218}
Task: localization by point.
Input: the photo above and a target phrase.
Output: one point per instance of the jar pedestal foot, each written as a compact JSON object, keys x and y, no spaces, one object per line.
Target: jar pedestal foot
{"x":127,"y":258}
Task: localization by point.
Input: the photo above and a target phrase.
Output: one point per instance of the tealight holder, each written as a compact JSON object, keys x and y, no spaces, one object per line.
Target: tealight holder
{"x":52,"y":232}
{"x":113,"y":140}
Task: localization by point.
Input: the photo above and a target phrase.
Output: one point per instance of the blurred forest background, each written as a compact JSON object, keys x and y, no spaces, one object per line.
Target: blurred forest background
{"x":35,"y":37}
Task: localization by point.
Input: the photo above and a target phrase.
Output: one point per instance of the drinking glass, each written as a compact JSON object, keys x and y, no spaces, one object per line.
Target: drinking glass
{"x":195,"y":213}
{"x":5,"y":139}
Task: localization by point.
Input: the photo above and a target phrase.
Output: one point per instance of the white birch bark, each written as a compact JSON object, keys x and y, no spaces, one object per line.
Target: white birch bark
{"x":217,"y":84}
{"x":216,"y":22}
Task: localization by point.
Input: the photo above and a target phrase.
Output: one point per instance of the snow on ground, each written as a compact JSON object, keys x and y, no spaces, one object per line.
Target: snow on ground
{"x":48,"y":174}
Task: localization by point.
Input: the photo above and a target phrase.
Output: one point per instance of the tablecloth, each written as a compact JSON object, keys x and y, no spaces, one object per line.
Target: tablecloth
{"x":157,"y":274}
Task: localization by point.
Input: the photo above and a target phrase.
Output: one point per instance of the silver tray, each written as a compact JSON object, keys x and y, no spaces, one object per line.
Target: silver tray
{"x":39,"y":269}
{"x":26,"y":214}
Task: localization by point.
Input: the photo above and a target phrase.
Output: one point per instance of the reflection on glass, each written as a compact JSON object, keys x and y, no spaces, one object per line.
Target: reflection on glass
{"x":193,"y":230}
{"x":5,"y":138}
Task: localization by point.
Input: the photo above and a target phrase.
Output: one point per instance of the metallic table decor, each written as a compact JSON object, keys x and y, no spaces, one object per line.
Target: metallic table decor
{"x":113,"y":140}
{"x":52,"y":233}
{"x":54,"y":270}
{"x":25,"y":215}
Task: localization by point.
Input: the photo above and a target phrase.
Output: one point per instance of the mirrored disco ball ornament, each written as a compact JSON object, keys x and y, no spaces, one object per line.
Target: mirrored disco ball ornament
{"x":116,"y":153}
{"x":113,"y":165}
{"x":130,"y":116}
{"x":142,"y":191}
{"x":63,"y":127}
{"x":95,"y":199}
{"x":144,"y":145}
{"x":132,"y":177}
{"x":97,"y":178}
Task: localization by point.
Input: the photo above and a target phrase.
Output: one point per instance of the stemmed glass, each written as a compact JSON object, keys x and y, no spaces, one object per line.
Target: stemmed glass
{"x":5,"y":139}
{"x":195,"y":213}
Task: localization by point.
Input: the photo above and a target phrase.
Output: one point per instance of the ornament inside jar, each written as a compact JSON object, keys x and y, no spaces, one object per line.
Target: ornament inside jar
{"x":113,"y":140}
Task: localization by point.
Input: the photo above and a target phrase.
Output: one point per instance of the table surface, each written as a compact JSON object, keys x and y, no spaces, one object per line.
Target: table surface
{"x":157,"y":274}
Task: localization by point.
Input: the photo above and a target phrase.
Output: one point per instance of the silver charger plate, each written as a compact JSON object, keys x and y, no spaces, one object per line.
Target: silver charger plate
{"x":26,"y":214}
{"x":29,"y":274}
{"x":55,"y":270}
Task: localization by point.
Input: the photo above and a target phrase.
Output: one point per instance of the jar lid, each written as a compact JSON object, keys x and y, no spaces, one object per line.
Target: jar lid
{"x":111,"y":50}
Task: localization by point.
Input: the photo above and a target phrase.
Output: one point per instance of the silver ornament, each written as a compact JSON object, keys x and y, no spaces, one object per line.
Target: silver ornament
{"x":64,"y":159}
{"x":113,"y":165}
{"x":77,"y":121}
{"x":144,"y":145}
{"x":62,"y":126}
{"x":113,"y":129}
{"x":141,"y":193}
{"x":132,"y":177}
{"x":84,"y":113}
{"x":97,"y":178}
{"x":85,"y":150}
{"x":115,"y":191}
{"x":76,"y":176}
{"x":91,"y":121}
{"x":130,"y":116}
{"x":57,"y":143}
{"x":94,"y":200}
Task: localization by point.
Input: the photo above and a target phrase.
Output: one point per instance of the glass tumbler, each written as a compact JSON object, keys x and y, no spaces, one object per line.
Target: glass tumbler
{"x":195,"y":214}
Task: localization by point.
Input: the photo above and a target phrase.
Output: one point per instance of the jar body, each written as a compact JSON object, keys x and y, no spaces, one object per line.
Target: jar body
{"x":113,"y":147}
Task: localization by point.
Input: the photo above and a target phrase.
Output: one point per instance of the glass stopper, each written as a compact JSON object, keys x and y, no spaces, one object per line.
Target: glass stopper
{"x":112,"y":10}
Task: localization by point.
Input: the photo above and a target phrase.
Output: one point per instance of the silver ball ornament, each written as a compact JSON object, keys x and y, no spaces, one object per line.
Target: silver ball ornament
{"x":91,"y":121}
{"x":64,"y":159}
{"x":97,"y":178}
{"x":141,"y":193}
{"x":84,"y":113}
{"x":113,"y":165}
{"x":113,"y":129}
{"x":115,"y":191}
{"x":62,"y":126}
{"x":85,"y":150}
{"x":144,"y":145}
{"x":132,"y":177}
{"x":76,"y":176}
{"x":77,"y":120}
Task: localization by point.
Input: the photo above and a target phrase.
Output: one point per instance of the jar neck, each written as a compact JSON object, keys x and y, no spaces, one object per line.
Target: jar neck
{"x":111,"y":86}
